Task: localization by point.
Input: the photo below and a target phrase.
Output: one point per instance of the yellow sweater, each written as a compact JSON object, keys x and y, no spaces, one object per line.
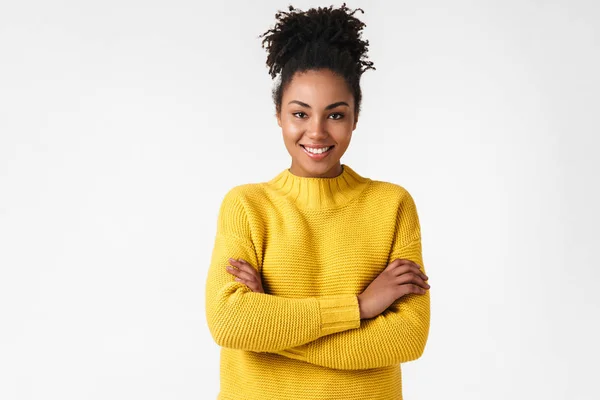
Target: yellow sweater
{"x":317,"y":243}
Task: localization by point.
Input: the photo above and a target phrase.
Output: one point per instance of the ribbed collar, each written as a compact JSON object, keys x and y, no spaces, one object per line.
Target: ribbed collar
{"x":320,"y":193}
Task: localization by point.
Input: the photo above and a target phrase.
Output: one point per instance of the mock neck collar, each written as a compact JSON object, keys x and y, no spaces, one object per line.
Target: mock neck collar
{"x":320,"y":193}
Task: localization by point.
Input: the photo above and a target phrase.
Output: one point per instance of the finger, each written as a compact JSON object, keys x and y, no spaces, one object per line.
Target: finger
{"x":417,"y":289}
{"x":394,"y":264}
{"x":241,"y":274}
{"x":402,"y":261}
{"x":241,"y":280}
{"x":244,"y":265}
{"x":232,"y":271}
{"x":249,"y":273}
{"x":252,"y":285}
{"x":410,"y":288}
{"x":239,"y":261}
{"x":406,"y":268}
{"x":412,"y":278}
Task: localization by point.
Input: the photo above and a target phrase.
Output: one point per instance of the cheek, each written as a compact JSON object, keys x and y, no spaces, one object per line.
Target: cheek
{"x":290,"y":139}
{"x":291,"y":129}
{"x":343,"y":134}
{"x":291,"y":123}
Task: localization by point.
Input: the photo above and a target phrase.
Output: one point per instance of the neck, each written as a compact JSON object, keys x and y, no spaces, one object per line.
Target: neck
{"x":331,"y":173}
{"x":319,"y":192}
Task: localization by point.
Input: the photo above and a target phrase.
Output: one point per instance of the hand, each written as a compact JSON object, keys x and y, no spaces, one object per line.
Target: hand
{"x":399,"y":278}
{"x":246,"y":274}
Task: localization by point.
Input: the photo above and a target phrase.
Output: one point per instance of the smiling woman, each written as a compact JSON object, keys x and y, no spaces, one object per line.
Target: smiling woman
{"x":317,"y":118}
{"x":316,"y":287}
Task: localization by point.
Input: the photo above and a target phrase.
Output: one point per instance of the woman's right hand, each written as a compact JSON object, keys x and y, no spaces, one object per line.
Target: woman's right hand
{"x":399,"y":278}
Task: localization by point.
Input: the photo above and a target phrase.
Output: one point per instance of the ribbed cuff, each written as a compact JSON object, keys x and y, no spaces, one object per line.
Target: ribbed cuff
{"x":339,"y":313}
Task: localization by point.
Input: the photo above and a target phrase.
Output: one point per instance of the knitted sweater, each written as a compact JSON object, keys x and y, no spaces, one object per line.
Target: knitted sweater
{"x":317,"y":243}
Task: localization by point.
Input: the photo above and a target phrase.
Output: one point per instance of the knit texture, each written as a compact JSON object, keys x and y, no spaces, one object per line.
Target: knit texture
{"x":317,"y":243}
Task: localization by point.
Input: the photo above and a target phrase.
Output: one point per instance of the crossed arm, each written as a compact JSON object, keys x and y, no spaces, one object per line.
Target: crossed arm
{"x":325,"y":331}
{"x":397,"y":335}
{"x":239,"y":318}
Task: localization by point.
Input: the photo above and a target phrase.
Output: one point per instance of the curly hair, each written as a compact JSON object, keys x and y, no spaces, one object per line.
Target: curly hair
{"x":319,"y":38}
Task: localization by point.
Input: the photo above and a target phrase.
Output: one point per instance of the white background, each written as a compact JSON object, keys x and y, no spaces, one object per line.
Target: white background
{"x":123,"y":124}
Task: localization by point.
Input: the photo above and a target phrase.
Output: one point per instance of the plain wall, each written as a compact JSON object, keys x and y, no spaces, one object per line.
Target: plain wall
{"x":124,"y":123}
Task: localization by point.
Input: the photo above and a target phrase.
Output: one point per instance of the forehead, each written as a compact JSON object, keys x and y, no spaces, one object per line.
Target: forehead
{"x":317,"y":87}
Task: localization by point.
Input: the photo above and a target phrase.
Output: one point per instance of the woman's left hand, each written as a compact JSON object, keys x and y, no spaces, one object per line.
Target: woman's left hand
{"x":246,"y":274}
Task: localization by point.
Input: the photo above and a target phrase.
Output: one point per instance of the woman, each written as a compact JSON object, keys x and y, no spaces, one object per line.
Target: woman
{"x":316,"y":287}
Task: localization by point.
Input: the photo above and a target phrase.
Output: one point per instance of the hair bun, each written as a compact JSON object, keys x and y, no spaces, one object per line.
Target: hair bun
{"x":297,"y":30}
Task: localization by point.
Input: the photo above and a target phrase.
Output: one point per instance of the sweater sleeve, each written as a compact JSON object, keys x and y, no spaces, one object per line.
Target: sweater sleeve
{"x":239,"y":318}
{"x":397,"y":335}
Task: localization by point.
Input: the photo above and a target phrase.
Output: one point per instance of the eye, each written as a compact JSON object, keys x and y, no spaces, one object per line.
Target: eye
{"x":301,"y":114}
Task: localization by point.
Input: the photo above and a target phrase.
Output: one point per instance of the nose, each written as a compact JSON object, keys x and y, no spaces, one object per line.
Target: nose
{"x":317,"y":128}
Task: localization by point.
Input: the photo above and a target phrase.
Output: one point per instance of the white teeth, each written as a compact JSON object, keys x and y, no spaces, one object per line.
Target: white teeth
{"x":317,"y":151}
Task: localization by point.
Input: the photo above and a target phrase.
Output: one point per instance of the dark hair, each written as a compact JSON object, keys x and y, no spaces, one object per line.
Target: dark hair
{"x":315,"y":39}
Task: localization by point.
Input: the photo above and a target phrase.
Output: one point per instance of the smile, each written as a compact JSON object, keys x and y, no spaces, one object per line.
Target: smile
{"x":317,"y":153}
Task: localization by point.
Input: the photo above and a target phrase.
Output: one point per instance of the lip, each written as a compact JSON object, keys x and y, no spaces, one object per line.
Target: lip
{"x":316,"y":156}
{"x":316,"y":146}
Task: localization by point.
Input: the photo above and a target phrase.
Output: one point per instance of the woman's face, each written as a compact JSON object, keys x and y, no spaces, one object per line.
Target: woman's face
{"x":317,"y":110}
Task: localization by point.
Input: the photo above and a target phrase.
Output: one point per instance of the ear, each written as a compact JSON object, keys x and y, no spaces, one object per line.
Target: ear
{"x":355,"y":122}
{"x":278,"y":115}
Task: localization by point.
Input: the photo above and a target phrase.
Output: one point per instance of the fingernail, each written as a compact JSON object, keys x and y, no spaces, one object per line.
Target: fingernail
{"x":232,"y":259}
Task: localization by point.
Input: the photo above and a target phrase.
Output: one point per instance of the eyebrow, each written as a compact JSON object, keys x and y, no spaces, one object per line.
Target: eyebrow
{"x":329,"y":107}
